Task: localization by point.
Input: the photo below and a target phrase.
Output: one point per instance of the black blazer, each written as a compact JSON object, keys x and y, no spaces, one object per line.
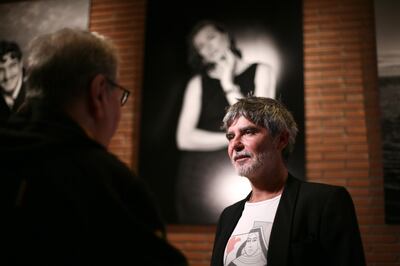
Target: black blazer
{"x":71,"y":202}
{"x":315,"y":224}
{"x":5,"y":111}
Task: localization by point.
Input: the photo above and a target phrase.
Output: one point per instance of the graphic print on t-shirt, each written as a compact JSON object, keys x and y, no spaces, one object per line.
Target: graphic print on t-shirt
{"x":249,"y":248}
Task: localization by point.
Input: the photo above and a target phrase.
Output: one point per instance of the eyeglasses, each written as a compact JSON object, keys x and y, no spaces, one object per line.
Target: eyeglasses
{"x":125,"y":92}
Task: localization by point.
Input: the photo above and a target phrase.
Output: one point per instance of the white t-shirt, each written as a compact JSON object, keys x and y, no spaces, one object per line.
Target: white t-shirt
{"x":248,"y":244}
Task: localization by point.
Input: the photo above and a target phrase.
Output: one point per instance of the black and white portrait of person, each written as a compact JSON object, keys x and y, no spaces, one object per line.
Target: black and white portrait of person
{"x":12,"y":87}
{"x":251,"y":252}
{"x":198,"y":61}
{"x":249,"y":248}
{"x":21,"y":21}
{"x":388,"y":52}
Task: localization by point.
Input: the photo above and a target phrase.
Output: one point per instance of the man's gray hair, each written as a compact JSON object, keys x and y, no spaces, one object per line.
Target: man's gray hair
{"x":61,"y":65}
{"x":268,"y":113}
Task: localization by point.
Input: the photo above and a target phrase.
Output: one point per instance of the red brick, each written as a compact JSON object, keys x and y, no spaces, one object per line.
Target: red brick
{"x":326,"y":165}
{"x":347,"y":173}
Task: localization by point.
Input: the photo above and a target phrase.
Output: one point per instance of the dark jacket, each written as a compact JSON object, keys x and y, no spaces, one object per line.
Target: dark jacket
{"x":70,"y":202}
{"x":315,"y":224}
{"x":5,"y":110}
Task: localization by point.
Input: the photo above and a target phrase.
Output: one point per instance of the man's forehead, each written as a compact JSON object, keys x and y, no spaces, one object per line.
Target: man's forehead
{"x":8,"y":58}
{"x":241,"y":122}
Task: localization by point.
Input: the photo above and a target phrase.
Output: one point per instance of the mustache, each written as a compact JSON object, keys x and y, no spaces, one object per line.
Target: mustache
{"x":241,"y":154}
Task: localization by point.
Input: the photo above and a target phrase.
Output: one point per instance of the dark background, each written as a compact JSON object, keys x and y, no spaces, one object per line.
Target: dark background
{"x":166,"y":73}
{"x":388,"y":52}
{"x":21,"y":21}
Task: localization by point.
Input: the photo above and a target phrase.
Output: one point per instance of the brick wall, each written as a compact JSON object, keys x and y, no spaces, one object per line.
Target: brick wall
{"x":342,"y":112}
{"x":124,"y":22}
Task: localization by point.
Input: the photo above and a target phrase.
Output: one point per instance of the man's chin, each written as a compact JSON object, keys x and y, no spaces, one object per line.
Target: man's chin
{"x":8,"y":87}
{"x":242,"y":171}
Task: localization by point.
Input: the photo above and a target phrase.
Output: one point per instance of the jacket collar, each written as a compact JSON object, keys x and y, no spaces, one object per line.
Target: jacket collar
{"x":235,"y":217}
{"x":278,"y":249}
{"x":228,"y":224}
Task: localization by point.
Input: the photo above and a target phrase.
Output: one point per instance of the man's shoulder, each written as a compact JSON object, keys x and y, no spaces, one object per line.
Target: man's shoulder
{"x":320,"y":192}
{"x":95,"y":157}
{"x":312,"y":185}
{"x":65,"y":148}
{"x":319,"y":187}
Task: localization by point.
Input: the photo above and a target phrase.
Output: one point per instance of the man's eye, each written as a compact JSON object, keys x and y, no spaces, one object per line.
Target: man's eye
{"x":249,"y":131}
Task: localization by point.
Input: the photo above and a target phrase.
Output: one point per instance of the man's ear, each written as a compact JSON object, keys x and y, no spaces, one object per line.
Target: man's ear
{"x":282,"y":140}
{"x":97,"y":96}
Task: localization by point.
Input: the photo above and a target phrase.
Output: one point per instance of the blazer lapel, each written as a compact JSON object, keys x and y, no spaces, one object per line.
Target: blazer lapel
{"x":278,"y":249}
{"x":20,"y":98}
{"x":229,"y":226}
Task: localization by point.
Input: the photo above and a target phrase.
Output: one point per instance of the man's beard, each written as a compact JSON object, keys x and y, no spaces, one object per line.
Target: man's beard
{"x":248,"y":168}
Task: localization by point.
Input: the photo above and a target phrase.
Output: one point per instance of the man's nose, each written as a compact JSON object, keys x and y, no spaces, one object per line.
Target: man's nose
{"x":2,"y":75}
{"x":237,"y":144}
{"x":5,"y":75}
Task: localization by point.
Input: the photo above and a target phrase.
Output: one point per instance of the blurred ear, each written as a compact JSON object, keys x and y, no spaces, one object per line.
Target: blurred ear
{"x":282,"y":140}
{"x":97,"y":97}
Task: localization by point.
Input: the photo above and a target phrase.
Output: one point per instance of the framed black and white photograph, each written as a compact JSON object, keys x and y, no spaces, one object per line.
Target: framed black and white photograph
{"x":388,"y":52}
{"x":199,"y":58}
{"x":21,"y":22}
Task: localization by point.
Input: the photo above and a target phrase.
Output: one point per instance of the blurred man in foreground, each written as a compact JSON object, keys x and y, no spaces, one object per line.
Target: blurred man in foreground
{"x":72,"y":202}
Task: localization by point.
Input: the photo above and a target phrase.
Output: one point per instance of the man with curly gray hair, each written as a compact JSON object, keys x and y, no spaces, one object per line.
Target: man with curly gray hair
{"x":300,"y":223}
